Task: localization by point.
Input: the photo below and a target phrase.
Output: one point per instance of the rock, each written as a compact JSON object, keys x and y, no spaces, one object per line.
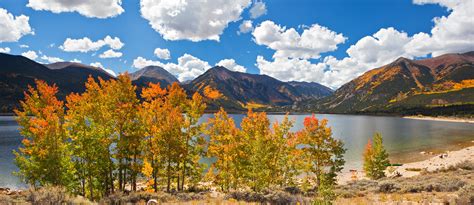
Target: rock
{"x":152,"y":201}
{"x":4,"y":190}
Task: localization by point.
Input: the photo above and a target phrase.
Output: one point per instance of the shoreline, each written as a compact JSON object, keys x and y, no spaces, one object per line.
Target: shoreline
{"x":442,"y":119}
{"x":438,"y":161}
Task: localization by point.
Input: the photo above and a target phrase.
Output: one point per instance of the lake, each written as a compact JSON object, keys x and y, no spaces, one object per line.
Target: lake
{"x":403,"y":138}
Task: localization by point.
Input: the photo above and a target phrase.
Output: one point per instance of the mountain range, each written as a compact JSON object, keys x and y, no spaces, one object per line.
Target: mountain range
{"x":443,"y":81}
{"x":406,"y":84}
{"x":239,"y":90}
{"x":243,"y":90}
{"x":17,"y":72}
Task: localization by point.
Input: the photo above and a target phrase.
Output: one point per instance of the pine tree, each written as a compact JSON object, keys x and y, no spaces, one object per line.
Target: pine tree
{"x":367,"y":156}
{"x":375,"y":158}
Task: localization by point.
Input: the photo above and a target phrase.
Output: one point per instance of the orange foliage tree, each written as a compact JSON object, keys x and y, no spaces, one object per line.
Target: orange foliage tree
{"x":322,"y":153}
{"x":45,"y":157}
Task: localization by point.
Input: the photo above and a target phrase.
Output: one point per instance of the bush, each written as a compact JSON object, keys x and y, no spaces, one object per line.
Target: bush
{"x":466,"y":194}
{"x":466,"y":165}
{"x":388,"y":187}
{"x":293,"y":190}
{"x":429,"y":184}
{"x":136,"y":197}
{"x":4,"y":199}
{"x":48,"y":195}
{"x":267,"y":197}
{"x":189,"y":196}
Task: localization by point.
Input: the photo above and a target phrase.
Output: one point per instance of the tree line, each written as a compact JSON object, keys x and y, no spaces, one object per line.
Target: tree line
{"x":108,"y":139}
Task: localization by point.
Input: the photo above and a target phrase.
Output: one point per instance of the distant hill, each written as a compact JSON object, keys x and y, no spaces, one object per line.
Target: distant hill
{"x":153,"y":74}
{"x":407,"y":84}
{"x":311,"y":89}
{"x":244,"y":90}
{"x":17,"y":72}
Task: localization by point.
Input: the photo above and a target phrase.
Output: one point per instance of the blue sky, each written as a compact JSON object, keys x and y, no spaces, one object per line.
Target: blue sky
{"x":53,"y":23}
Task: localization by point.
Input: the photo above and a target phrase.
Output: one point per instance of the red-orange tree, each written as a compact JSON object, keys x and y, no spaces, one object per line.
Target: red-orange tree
{"x":322,"y":153}
{"x":45,"y":157}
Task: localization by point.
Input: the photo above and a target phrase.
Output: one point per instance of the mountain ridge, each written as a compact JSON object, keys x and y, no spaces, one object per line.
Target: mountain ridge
{"x":152,"y":74}
{"x":393,"y":85}
{"x":244,"y":90}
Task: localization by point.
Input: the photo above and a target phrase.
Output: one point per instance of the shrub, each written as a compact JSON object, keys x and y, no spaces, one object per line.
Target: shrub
{"x":267,"y":197}
{"x":48,"y":195}
{"x":466,"y":194}
{"x":4,"y":199}
{"x":135,"y":197}
{"x":388,"y":187}
{"x":466,"y":165}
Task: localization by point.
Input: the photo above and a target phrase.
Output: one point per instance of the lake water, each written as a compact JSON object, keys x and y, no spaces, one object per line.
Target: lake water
{"x":403,"y":138}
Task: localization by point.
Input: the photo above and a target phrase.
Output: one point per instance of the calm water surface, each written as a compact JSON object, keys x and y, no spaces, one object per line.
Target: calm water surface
{"x":403,"y":138}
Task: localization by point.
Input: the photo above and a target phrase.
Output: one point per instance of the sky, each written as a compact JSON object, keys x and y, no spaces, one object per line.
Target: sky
{"x":324,"y":41}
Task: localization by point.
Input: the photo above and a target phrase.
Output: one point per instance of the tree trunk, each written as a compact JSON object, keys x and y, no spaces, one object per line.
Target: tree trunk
{"x":134,"y":183}
{"x":154,"y":173}
{"x":178,"y":183}
{"x":120,"y":175}
{"x":184,"y":176}
{"x":111,"y":175}
{"x":168,"y":173}
{"x":124,"y":180}
{"x":91,"y":188}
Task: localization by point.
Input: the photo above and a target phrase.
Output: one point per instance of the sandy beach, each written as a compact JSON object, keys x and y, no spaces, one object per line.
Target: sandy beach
{"x":439,"y":161}
{"x":444,"y":119}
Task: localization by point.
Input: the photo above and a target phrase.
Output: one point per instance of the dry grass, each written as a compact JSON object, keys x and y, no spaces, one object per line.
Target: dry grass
{"x":453,"y":185}
{"x":268,"y":197}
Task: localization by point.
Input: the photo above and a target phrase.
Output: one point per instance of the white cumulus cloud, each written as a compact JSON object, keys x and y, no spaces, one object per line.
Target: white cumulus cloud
{"x":5,"y":50}
{"x":195,"y":20}
{"x":12,"y":28}
{"x":50,"y":59}
{"x":141,"y":62}
{"x":30,"y":54}
{"x":75,"y":60}
{"x":289,"y":43}
{"x":85,"y":44}
{"x":291,"y":69}
{"x":258,"y":9}
{"x":451,"y":34}
{"x":110,"y":54}
{"x":162,"y":53}
{"x":99,"y":65}
{"x":187,"y":68}
{"x":245,"y":27}
{"x":88,"y":8}
{"x":231,"y":65}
